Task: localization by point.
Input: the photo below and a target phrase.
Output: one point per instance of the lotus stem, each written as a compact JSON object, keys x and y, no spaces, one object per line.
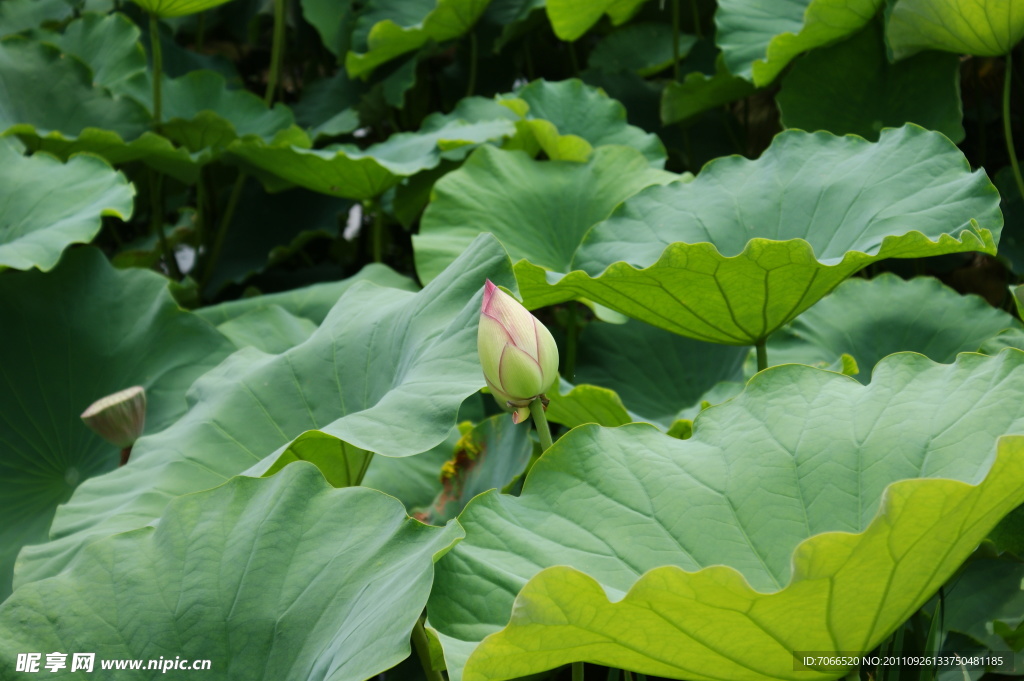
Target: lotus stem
{"x":572,"y":60}
{"x":472,"y":64}
{"x":696,"y":19}
{"x":158,"y":70}
{"x":358,"y":480}
{"x":125,"y":453}
{"x":577,"y":671}
{"x":225,"y":223}
{"x":156,"y":209}
{"x":276,"y":52}
{"x":627,"y":675}
{"x":675,"y":40}
{"x":419,"y":641}
{"x":571,"y":337}
{"x":540,"y":420}
{"x":1007,"y":127}
{"x":378,"y":232}
{"x":762,"y":354}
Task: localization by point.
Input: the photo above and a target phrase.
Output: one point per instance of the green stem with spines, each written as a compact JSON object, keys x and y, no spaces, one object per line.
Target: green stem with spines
{"x":1007,"y":127}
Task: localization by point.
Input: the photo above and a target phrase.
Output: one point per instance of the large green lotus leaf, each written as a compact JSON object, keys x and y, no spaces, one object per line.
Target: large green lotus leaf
{"x":385,"y":372}
{"x":108,"y":44}
{"x":758,"y":40}
{"x":48,"y":205}
{"x":349,"y":172}
{"x":852,"y":88}
{"x":586,"y":116}
{"x":311,"y":302}
{"x":20,"y":15}
{"x":539,"y":210}
{"x":71,"y":336}
{"x":177,"y":8}
{"x":84,"y":118}
{"x":284,"y":576}
{"x":572,"y":18}
{"x":656,"y":373}
{"x":984,"y":28}
{"x":809,"y":513}
{"x":330,"y":18}
{"x":871,"y":318}
{"x":30,"y":72}
{"x":699,"y":92}
{"x":271,"y":329}
{"x":749,"y":245}
{"x":390,"y":28}
{"x":644,"y":48}
{"x":329,"y":107}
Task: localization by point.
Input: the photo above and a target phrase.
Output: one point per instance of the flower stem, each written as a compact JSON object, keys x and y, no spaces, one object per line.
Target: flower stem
{"x":419,"y":641}
{"x":762,"y":354}
{"x":225,"y":223}
{"x":1007,"y":127}
{"x":158,"y":70}
{"x":276,"y":52}
{"x":541,"y":422}
{"x":378,"y":232}
{"x":571,"y":334}
{"x":627,"y":675}
{"x":675,"y":40}
{"x":156,"y":209}
{"x":577,"y":671}
{"x":472,"y":64}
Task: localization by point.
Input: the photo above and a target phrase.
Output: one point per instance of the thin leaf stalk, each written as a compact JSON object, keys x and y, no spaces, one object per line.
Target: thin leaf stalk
{"x":156,"y":52}
{"x":222,"y":230}
{"x":378,"y":231}
{"x":577,"y":671}
{"x":762,"y":354}
{"x":276,"y":52}
{"x":472,"y":65}
{"x":1008,"y":127}
{"x":571,"y":340}
{"x":156,"y":210}
{"x":675,"y":40}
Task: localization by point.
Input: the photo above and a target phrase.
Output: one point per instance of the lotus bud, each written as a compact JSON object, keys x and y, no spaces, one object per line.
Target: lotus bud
{"x":118,"y":418}
{"x":518,"y":353}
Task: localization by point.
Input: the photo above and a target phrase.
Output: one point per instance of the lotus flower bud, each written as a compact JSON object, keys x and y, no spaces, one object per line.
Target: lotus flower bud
{"x":118,"y":418}
{"x":518,"y":354}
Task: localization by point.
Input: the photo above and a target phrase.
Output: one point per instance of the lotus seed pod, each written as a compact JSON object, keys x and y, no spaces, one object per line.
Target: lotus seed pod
{"x":119,"y":418}
{"x":518,"y":354}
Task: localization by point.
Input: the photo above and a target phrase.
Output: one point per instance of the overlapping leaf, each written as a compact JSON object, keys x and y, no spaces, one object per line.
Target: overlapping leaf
{"x":278,"y":576}
{"x":350,"y":172}
{"x":311,"y":302}
{"x":45,"y":205}
{"x":177,"y":8}
{"x":572,"y":18}
{"x":389,"y":28}
{"x":71,"y":336}
{"x":748,"y":245}
{"x":385,"y":372}
{"x":569,"y":118}
{"x":852,"y":88}
{"x":809,"y":513}
{"x":869,"y":319}
{"x":759,"y":39}
{"x":985,"y":28}
{"x":539,"y":210}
